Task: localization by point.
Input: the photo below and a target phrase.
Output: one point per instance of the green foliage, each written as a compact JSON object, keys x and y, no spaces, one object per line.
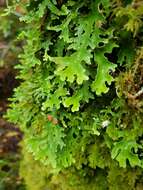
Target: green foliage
{"x":44,"y":177}
{"x":10,"y":27}
{"x":79,"y":103}
{"x":9,"y":48}
{"x":9,"y":165}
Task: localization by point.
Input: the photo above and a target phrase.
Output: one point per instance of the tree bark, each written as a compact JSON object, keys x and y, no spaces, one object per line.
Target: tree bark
{"x":2,"y":3}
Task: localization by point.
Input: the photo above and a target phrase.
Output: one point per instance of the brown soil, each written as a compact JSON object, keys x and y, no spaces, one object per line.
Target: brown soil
{"x":9,"y":134}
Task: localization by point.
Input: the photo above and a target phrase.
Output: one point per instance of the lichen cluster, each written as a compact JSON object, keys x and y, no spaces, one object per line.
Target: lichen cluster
{"x":80,"y":99}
